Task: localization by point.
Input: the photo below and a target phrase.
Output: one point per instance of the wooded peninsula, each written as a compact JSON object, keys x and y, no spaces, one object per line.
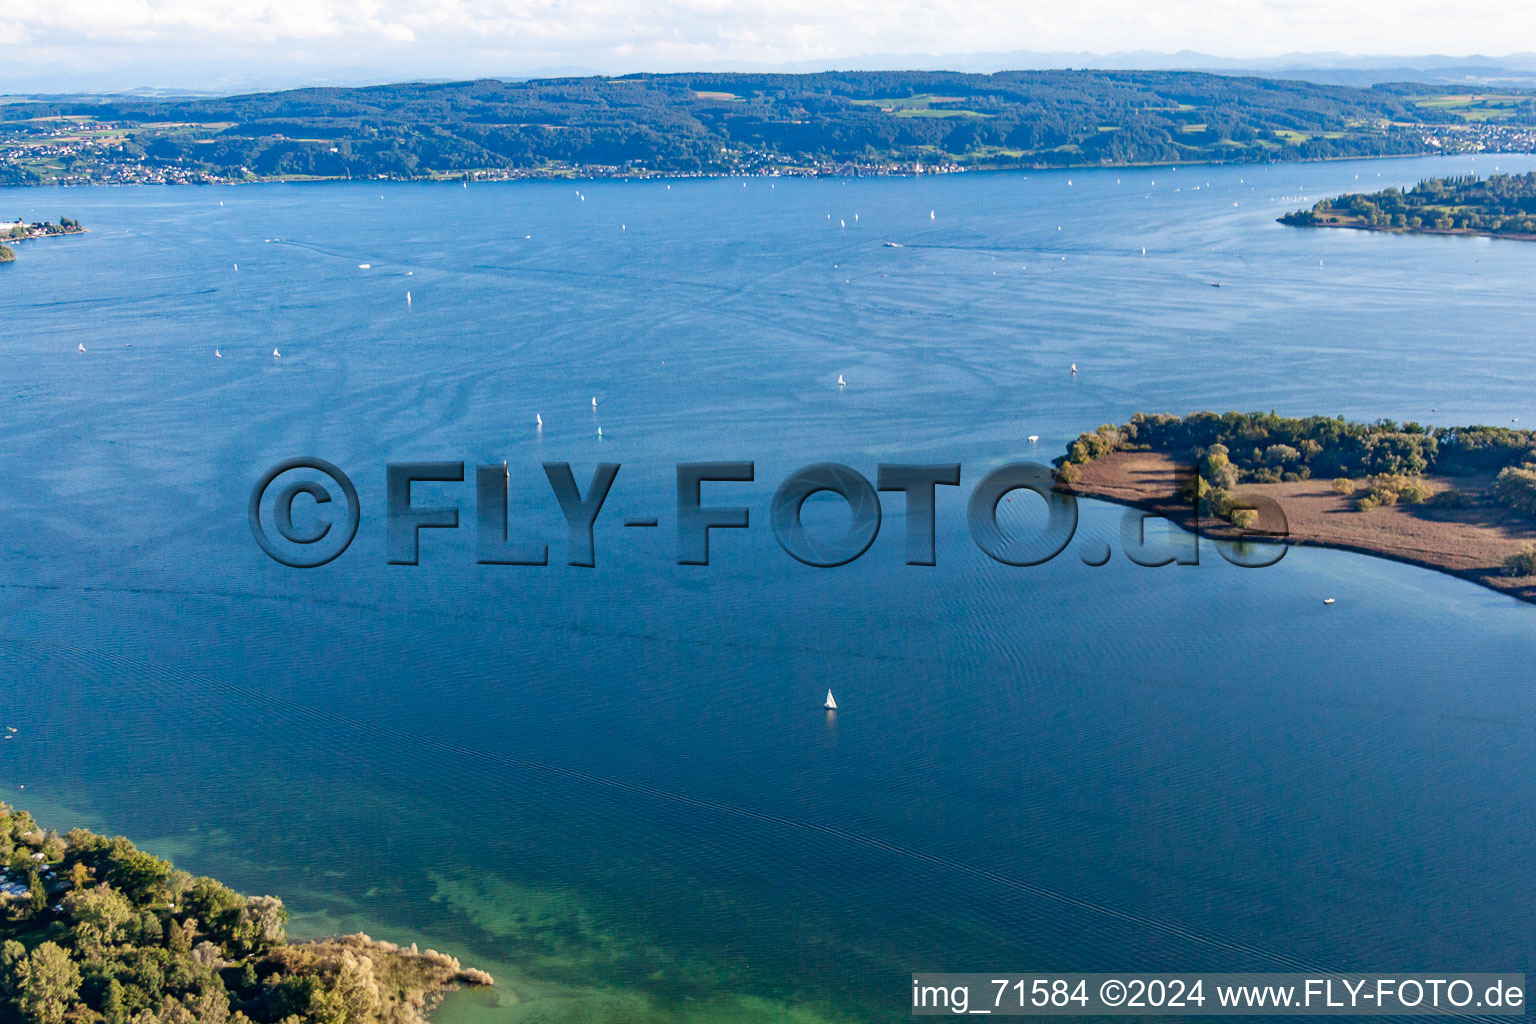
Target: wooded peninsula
{"x":712,"y":124}
{"x":1458,"y":499}
{"x":1503,"y":206}
{"x":20,"y":231}
{"x":95,"y":931}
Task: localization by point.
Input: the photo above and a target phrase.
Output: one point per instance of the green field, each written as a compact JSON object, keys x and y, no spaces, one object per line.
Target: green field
{"x":1477,"y":106}
{"x":922,"y":105}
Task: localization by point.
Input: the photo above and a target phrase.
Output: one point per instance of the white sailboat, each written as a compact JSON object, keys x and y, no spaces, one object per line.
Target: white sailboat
{"x":840,"y":382}
{"x":538,"y":421}
{"x":82,"y":346}
{"x":217,"y":354}
{"x":276,"y":354}
{"x":830,"y":705}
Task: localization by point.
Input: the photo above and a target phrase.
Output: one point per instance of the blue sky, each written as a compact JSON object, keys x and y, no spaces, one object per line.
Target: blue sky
{"x":93,"y":44}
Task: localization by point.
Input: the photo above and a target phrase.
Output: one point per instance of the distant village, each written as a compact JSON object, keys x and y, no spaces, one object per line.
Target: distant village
{"x":74,"y":161}
{"x":21,"y":231}
{"x":1481,"y":138}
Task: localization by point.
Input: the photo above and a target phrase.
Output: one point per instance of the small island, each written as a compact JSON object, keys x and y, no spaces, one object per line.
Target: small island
{"x":7,"y":254}
{"x":1461,"y":500}
{"x":1502,"y":206}
{"x":93,"y":929}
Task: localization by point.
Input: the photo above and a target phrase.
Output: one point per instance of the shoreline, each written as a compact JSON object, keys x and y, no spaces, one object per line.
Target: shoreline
{"x":492,"y":177}
{"x":82,"y":901}
{"x":1461,"y":543}
{"x":1389,"y":230}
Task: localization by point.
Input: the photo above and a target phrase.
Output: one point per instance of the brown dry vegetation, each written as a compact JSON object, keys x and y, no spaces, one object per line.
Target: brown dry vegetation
{"x":383,"y":981}
{"x":1471,"y":542}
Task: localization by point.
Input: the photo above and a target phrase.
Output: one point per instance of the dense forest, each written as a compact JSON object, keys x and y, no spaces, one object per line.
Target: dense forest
{"x":93,"y":929}
{"x":1376,"y":464}
{"x":727,"y":123}
{"x":1504,"y":204}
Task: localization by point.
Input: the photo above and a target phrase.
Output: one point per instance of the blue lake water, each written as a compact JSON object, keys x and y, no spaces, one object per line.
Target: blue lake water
{"x":615,"y":787}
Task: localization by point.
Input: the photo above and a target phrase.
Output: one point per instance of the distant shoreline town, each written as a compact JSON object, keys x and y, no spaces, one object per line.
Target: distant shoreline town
{"x":717,"y":125}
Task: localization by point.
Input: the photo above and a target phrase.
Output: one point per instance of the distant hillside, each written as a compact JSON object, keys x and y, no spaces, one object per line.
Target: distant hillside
{"x":745,"y":123}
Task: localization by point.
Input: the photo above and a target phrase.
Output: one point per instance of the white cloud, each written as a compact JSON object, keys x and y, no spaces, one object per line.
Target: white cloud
{"x":457,"y":38}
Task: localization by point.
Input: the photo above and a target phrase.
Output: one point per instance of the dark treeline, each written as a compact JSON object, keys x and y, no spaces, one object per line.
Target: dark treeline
{"x":1501,"y":204}
{"x":711,"y":123}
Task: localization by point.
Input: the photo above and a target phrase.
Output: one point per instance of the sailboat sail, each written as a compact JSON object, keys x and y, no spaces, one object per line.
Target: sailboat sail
{"x":830,"y":705}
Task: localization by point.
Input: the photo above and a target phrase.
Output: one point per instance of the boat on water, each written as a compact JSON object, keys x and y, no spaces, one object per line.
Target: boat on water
{"x":1327,"y":600}
{"x":830,"y":705}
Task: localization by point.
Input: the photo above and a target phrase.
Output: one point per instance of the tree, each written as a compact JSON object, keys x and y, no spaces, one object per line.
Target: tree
{"x":48,"y":985}
{"x":1281,"y":454}
{"x":1218,"y":468}
{"x":354,"y":998}
{"x":100,"y":915}
{"x":1521,"y":563}
{"x":138,"y":874}
{"x":176,"y":883}
{"x":112,"y":1009}
{"x":12,"y":953}
{"x":263,"y":924}
{"x":178,"y":937}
